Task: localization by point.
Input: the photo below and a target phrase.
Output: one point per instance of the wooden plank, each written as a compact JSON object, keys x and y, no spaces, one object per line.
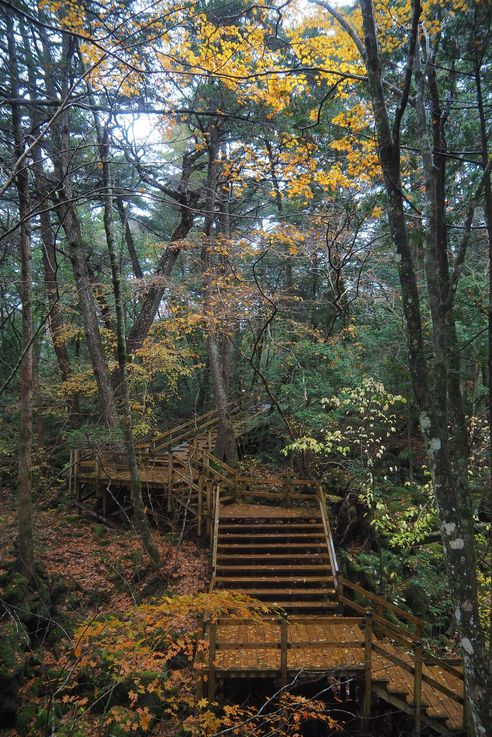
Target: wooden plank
{"x":212,"y":639}
{"x":284,"y":635}
{"x":417,"y":689}
{"x":367,"y":696}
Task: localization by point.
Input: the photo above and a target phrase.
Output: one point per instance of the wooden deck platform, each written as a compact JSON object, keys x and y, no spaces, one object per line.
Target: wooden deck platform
{"x":315,"y":645}
{"x":336,"y":645}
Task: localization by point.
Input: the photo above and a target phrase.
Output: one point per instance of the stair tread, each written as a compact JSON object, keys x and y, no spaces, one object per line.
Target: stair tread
{"x":270,"y":545}
{"x":270,"y":525}
{"x":268,"y":535}
{"x":283,"y":592}
{"x":275,"y":569}
{"x":270,"y":557}
{"x":293,"y":579}
{"x":307,"y":604}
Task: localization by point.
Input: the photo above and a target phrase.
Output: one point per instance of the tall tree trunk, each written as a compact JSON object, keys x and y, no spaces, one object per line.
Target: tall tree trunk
{"x":140,"y":519}
{"x":130,"y":243}
{"x":24,"y":498}
{"x":225,"y":447}
{"x":289,"y":275}
{"x":458,"y":545}
{"x":55,"y":323}
{"x":152,"y":297}
{"x":69,"y":220}
{"x":479,"y":50}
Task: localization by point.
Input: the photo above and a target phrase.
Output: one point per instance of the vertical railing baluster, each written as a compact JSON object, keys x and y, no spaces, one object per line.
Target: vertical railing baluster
{"x":212,"y":649}
{"x":284,"y":644}
{"x":417,"y":687}
{"x":367,"y":695}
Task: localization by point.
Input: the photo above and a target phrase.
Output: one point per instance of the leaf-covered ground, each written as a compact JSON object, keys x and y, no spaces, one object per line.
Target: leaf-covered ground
{"x":90,"y":571}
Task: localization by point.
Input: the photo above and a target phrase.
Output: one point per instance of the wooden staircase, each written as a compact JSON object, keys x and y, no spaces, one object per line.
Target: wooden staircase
{"x":285,"y":557}
{"x":177,"y":465}
{"x":274,"y":543}
{"x":281,"y":560}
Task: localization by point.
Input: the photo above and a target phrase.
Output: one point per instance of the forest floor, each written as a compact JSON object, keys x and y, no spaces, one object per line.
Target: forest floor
{"x":95,"y":570}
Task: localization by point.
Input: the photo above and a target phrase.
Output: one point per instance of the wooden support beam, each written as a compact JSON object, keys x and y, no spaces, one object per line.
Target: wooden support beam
{"x":170,"y":480}
{"x":201,"y":483}
{"x":417,"y":688}
{"x":76,"y":480}
{"x":367,"y":695}
{"x":284,"y":647}
{"x":212,"y":647}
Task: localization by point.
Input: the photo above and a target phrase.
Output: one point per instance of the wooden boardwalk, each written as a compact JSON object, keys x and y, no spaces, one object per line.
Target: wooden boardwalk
{"x":274,"y":543}
{"x":285,"y":557}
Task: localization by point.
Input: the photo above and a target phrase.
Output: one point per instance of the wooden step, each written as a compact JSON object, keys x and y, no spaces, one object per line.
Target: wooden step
{"x":269,"y":525}
{"x":269,"y":535}
{"x":284,"y":592}
{"x":270,"y":546}
{"x":275,"y":579}
{"x":275,"y":569}
{"x":300,"y":514}
{"x":270,"y":557}
{"x":306,"y":604}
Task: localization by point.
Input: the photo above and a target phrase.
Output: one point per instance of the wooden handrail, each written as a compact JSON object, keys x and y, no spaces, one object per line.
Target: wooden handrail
{"x":329,"y":537}
{"x":293,"y":619}
{"x":210,"y":456}
{"x":215,"y":536}
{"x":401,"y":613}
{"x":194,"y":422}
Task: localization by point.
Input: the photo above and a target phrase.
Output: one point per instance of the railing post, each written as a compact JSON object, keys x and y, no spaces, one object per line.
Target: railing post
{"x":200,"y":504}
{"x":212,"y":649}
{"x":417,"y":687}
{"x":76,"y":483}
{"x":288,"y":488}
{"x":200,"y":659}
{"x":367,"y":695}
{"x":284,"y":644}
{"x":467,"y":729}
{"x":98,"y":477}
{"x":70,"y":472}
{"x":170,"y":474}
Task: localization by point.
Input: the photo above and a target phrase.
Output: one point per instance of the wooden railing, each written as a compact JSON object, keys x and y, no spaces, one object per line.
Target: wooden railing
{"x":406,"y":621}
{"x":320,"y":494}
{"x":414,"y":661}
{"x":179,"y":434}
{"x":282,"y":643}
{"x":290,"y":491}
{"x":407,"y":631}
{"x":185,"y":432}
{"x":214,"y":534}
{"x":417,"y":659}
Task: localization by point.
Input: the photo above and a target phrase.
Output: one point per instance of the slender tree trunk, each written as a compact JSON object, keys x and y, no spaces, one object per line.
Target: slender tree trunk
{"x":24,"y":499}
{"x":488,"y":222}
{"x":42,"y":194}
{"x":70,"y":223}
{"x":289,"y":274}
{"x":455,"y":530}
{"x":140,"y":519}
{"x":130,"y":243}
{"x":225,"y":447}
{"x":152,"y":297}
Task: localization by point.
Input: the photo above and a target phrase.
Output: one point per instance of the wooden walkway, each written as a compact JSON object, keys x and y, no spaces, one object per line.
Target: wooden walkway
{"x":274,"y":543}
{"x":285,"y":557}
